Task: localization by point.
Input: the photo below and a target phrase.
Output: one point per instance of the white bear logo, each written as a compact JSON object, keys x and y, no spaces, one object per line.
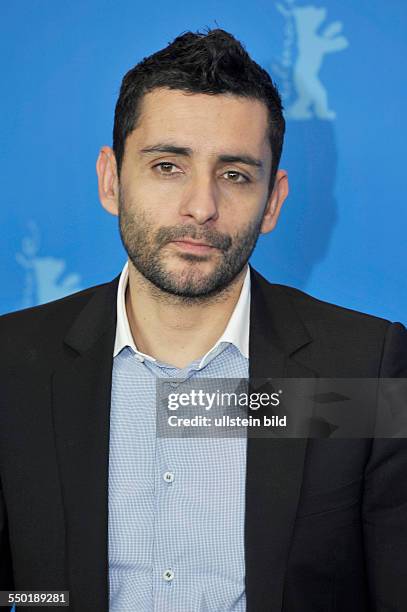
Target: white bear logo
{"x":312,"y":46}
{"x":45,"y":280}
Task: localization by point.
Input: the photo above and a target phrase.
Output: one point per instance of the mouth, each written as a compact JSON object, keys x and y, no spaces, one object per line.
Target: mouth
{"x":194,"y":246}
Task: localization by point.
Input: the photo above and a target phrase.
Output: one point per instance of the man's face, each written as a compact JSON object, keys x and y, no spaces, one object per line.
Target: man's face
{"x":194,"y":189}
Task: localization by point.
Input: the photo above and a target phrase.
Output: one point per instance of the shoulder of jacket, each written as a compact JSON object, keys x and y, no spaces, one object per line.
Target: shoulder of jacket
{"x":313,"y":308}
{"x":43,"y":325}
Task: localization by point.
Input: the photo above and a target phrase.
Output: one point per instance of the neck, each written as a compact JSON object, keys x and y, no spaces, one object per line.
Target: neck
{"x":175,"y":330}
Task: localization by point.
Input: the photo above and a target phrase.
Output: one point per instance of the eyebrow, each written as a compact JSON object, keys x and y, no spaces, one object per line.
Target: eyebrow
{"x":242,"y":158}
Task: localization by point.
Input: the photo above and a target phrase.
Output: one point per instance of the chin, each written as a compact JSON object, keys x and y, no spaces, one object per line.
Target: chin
{"x":187,"y":277}
{"x":192,"y":267}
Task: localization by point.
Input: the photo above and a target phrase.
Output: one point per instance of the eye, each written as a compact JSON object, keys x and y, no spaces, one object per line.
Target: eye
{"x":236,"y":177}
{"x":166,"y":168}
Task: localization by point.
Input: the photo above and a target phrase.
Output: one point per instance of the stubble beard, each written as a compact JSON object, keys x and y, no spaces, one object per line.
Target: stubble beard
{"x":144,"y":246}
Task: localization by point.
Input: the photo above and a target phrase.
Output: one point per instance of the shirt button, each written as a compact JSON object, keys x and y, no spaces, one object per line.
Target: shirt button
{"x":168,"y":575}
{"x":140,"y":358}
{"x":168,"y":476}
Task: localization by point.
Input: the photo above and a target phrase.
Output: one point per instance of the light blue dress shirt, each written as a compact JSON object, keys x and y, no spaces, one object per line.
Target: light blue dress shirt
{"x":176,"y":506}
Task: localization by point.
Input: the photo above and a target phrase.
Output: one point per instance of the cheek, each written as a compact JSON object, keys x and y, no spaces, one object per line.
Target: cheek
{"x":139,"y":201}
{"x":156,"y":195}
{"x":243,"y":216}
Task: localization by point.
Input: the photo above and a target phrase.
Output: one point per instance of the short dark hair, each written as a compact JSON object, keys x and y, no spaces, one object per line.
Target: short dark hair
{"x":213,"y":63}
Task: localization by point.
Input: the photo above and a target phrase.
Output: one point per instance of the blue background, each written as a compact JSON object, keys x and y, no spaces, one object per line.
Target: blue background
{"x":341,"y":235}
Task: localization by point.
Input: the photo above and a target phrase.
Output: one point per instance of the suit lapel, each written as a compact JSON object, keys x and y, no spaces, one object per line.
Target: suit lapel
{"x":81,"y":409}
{"x":274,"y":466}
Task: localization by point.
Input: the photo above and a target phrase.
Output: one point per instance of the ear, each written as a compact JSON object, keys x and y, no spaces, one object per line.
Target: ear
{"x":108,"y":181}
{"x":275,"y":202}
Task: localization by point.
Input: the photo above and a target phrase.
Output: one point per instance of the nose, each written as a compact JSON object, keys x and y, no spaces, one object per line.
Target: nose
{"x":201,"y":200}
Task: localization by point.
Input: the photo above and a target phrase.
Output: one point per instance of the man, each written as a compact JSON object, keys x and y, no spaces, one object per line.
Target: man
{"x":91,"y":501}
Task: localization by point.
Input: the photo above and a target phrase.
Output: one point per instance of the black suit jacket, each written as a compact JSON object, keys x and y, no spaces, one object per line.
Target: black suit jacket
{"x":326,"y":520}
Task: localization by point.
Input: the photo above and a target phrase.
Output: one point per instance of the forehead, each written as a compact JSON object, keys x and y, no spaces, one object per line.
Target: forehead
{"x":203,"y":121}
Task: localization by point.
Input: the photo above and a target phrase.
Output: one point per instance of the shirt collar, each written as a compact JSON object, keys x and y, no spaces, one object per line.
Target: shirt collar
{"x":236,"y":332}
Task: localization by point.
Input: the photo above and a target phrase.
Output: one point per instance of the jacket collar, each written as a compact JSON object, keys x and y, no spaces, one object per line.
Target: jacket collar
{"x":273,"y":320}
{"x":276,"y":329}
{"x":96,"y":319}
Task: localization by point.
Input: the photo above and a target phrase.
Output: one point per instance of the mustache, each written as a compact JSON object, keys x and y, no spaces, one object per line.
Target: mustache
{"x":212,"y":237}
